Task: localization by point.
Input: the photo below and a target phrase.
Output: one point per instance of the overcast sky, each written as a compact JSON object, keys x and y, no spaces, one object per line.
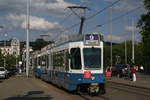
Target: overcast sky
{"x":53,"y":17}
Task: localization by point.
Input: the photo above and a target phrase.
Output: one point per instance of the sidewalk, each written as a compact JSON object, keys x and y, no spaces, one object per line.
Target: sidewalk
{"x":142,"y":81}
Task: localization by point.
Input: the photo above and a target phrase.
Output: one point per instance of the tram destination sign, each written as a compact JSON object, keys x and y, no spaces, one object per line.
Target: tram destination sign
{"x":92,"y":39}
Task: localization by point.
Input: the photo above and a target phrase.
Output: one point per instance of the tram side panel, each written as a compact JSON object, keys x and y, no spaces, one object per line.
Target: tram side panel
{"x":61,"y":72}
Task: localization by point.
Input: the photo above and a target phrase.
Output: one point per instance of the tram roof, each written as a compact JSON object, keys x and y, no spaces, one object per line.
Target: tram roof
{"x":67,"y":39}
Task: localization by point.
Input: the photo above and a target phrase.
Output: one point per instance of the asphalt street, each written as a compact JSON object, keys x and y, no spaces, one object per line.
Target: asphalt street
{"x":22,"y":88}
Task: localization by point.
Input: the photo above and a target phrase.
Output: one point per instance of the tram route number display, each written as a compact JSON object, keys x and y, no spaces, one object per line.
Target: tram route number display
{"x":91,"y":39}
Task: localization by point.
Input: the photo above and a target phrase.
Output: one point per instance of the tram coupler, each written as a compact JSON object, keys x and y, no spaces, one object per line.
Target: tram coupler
{"x":93,"y":88}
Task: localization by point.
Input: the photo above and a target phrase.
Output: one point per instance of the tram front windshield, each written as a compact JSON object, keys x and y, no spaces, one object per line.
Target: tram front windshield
{"x":92,"y":58}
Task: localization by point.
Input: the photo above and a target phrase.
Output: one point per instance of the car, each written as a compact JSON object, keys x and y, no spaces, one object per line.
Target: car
{"x":12,"y":70}
{"x":3,"y":72}
{"x":117,"y":70}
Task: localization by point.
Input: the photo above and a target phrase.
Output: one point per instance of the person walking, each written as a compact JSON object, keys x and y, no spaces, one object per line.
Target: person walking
{"x":133,"y":71}
{"x":108,"y":72}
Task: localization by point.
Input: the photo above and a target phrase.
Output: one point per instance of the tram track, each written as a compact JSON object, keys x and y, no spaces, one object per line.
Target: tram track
{"x":129,"y":88}
{"x":92,"y":97}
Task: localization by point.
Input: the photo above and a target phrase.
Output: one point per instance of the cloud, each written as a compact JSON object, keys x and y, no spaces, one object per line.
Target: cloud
{"x":124,"y":5}
{"x":48,"y":7}
{"x":36,"y":23}
{"x":131,"y":28}
{"x":114,"y":38}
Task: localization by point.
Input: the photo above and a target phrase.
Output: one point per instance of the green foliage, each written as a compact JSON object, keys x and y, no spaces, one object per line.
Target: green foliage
{"x":147,"y":4}
{"x":144,"y":25}
{"x":39,"y":43}
{"x":1,"y":58}
{"x":119,"y":50}
{"x":9,"y":59}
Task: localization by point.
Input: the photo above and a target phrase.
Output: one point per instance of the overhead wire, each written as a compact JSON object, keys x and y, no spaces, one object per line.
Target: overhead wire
{"x":100,"y":11}
{"x":117,"y":18}
{"x":66,"y":18}
{"x":103,"y":9}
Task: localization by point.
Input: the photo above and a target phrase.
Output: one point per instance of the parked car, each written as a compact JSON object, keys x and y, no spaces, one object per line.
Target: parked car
{"x":3,"y":72}
{"x":117,"y":70}
{"x":11,"y":70}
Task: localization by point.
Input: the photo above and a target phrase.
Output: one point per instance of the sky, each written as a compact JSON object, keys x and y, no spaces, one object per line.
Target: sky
{"x":55,"y":19}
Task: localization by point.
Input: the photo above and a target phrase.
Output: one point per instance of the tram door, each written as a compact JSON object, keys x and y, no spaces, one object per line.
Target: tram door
{"x":66,"y":63}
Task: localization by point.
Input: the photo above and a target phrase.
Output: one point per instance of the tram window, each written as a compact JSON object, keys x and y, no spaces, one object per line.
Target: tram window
{"x":54,"y":60}
{"x":67,"y":60}
{"x":47,"y":61}
{"x":92,"y":58}
{"x":75,"y":58}
{"x":43,"y":61}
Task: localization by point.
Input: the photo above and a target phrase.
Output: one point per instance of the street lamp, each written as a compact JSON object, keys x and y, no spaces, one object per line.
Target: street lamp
{"x":27,"y":41}
{"x":111,"y":60}
{"x":133,"y":41}
{"x":1,"y":27}
{"x":5,"y":50}
{"x":45,"y":36}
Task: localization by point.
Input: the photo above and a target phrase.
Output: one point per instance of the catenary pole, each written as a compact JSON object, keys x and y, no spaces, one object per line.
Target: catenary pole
{"x":133,"y":41}
{"x":111,"y":60}
{"x":125,"y":42}
{"x":27,"y":41}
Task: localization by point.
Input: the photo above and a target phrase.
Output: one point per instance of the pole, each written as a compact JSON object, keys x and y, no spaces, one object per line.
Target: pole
{"x":125,"y":51}
{"x":133,"y":41}
{"x":81,"y":24}
{"x":111,"y":36}
{"x":82,"y":18}
{"x":4,"y":53}
{"x":125,"y":42}
{"x":27,"y":41}
{"x":16,"y":61}
{"x":5,"y":50}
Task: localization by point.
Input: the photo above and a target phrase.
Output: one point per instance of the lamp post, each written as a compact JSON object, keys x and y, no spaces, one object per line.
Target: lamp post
{"x":5,"y":50}
{"x":111,"y":60}
{"x":133,"y":41}
{"x":125,"y":41}
{"x":1,"y":27}
{"x":27,"y":41}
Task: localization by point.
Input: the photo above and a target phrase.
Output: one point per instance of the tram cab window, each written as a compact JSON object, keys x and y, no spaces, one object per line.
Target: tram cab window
{"x":92,"y":58}
{"x":75,"y":58}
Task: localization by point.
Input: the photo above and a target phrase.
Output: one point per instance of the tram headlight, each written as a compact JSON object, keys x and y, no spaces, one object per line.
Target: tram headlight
{"x":93,"y":78}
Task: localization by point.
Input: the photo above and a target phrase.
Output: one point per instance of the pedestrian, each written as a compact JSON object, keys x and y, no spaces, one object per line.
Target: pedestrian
{"x":20,"y":71}
{"x":133,"y":71}
{"x":129,"y":71}
{"x":126,"y":71}
{"x":108,"y":72}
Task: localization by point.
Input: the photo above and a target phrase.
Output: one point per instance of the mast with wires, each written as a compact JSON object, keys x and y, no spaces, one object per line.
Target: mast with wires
{"x":133,"y":41}
{"x":111,"y":60}
{"x":82,"y":18}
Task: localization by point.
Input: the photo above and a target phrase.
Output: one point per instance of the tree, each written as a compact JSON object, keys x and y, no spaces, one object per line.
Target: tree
{"x":1,"y":59}
{"x":39,"y":43}
{"x":118,"y":50}
{"x":10,"y":60}
{"x":144,"y":25}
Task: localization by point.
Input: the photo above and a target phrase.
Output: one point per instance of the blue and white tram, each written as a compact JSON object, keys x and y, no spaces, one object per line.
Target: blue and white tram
{"x":76,"y":64}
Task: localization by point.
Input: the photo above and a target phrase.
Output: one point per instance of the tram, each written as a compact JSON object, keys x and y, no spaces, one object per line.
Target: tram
{"x":75,"y":64}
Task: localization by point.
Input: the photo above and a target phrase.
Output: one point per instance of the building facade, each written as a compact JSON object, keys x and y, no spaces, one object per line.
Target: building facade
{"x":12,"y":48}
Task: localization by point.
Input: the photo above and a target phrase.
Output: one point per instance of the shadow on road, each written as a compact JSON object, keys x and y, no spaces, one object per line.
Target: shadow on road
{"x":29,"y":95}
{"x":1,"y":80}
